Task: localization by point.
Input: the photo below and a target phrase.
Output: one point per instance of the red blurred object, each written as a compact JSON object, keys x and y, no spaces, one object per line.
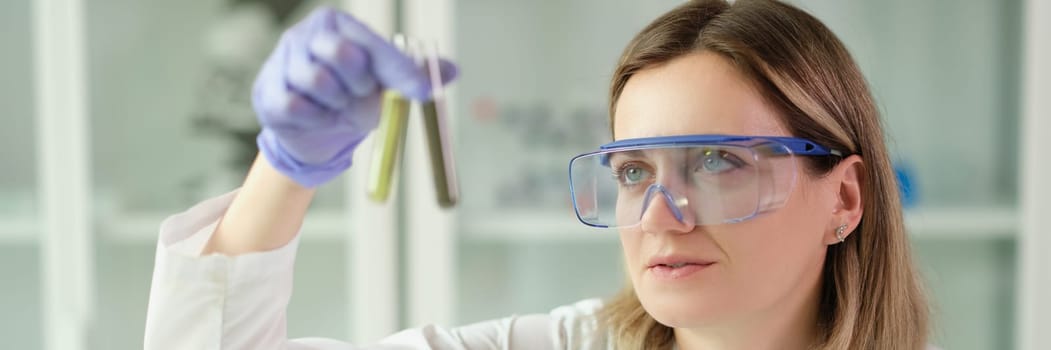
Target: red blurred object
{"x":484,"y":109}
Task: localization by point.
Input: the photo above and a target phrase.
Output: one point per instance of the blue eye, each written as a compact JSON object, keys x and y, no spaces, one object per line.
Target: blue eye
{"x":718,"y":162}
{"x":631,"y":174}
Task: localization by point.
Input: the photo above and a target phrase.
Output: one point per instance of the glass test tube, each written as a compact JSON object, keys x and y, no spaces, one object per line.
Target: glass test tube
{"x":443,"y":166}
{"x":390,"y":139}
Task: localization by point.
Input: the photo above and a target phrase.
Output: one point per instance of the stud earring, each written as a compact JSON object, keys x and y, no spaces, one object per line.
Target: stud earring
{"x":839,"y":232}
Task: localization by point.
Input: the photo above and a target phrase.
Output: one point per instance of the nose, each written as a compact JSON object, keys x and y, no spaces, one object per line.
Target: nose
{"x":662,"y":211}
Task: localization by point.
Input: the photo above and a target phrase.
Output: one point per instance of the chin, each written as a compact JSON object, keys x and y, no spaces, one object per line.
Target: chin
{"x":684,"y":309}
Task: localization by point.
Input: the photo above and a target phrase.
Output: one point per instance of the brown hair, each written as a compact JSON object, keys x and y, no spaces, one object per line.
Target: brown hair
{"x":871,"y":296}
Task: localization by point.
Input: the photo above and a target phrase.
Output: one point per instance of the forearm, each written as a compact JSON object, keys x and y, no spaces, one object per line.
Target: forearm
{"x":266,"y":214}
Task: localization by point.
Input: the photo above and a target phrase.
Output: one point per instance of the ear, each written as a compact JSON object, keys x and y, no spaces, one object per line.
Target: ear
{"x":846,"y":180}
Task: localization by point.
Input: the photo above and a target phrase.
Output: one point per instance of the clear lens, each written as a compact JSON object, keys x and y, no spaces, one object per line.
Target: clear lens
{"x":701,"y":184}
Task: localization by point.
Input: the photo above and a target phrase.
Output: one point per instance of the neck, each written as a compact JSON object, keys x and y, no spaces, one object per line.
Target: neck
{"x":791,"y":324}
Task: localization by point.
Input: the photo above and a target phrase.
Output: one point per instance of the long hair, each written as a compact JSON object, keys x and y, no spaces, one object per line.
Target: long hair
{"x":871,"y":296}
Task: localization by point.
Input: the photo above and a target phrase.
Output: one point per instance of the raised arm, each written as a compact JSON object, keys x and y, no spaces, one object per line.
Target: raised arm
{"x":265,"y":215}
{"x":223,"y":272}
{"x":316,"y":97}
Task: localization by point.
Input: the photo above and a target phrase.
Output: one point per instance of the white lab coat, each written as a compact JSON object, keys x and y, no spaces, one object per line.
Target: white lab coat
{"x":219,"y":302}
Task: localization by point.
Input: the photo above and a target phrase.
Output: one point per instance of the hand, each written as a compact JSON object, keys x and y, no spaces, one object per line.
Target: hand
{"x":318,"y":94}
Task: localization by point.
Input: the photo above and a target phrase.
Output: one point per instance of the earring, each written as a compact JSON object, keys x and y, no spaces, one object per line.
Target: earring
{"x":839,"y":232}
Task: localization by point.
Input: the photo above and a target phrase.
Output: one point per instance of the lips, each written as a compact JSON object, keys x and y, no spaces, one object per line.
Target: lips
{"x":673,"y":267}
{"x":677,"y":261}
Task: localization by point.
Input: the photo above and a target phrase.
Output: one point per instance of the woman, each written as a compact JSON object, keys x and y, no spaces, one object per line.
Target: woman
{"x":751,"y":189}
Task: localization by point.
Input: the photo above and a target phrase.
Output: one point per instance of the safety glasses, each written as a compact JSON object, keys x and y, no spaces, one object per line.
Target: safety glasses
{"x":700,"y":179}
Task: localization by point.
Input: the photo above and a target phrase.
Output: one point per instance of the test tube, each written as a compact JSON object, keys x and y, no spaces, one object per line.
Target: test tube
{"x":390,"y":139}
{"x":443,"y":166}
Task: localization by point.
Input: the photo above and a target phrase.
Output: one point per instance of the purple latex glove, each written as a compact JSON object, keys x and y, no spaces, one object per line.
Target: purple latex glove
{"x":318,"y":94}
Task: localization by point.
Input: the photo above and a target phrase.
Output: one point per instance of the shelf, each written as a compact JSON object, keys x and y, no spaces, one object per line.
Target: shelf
{"x":993,"y":222}
{"x":524,"y":226}
{"x":961,"y":223}
{"x":142,"y":227}
{"x":18,"y":230}
{"x":924,"y":223}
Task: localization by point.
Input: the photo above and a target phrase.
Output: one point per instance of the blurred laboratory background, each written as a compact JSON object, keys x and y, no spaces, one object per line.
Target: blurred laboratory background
{"x":118,"y":113}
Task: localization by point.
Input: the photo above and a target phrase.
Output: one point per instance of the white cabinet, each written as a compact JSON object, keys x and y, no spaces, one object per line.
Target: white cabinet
{"x":170,"y":125}
{"x":117,"y":115}
{"x":20,"y":255}
{"x":19,"y":246}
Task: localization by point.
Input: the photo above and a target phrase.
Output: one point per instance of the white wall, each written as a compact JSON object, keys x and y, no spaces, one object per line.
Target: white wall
{"x":935,"y":65}
{"x":145,"y":65}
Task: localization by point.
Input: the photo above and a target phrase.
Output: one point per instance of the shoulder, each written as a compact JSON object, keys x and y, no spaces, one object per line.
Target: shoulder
{"x":577,"y":326}
{"x":579,"y":314}
{"x":574,"y":326}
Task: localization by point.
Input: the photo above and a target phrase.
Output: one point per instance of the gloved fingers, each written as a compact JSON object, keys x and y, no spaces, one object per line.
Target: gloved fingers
{"x":312,"y":78}
{"x":363,"y":60}
{"x":347,"y":62}
{"x":449,"y":71}
{"x":279,"y":104}
{"x":367,"y":112}
{"x":326,"y":61}
{"x":391,"y":67}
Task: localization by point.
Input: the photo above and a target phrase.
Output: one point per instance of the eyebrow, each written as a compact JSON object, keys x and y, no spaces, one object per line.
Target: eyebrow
{"x":641,"y":154}
{"x":633,"y":153}
{"x":630,"y":154}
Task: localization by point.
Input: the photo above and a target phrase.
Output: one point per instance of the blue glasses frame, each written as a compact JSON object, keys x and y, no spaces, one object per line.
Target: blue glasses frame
{"x":798,"y":146}
{"x":794,"y":145}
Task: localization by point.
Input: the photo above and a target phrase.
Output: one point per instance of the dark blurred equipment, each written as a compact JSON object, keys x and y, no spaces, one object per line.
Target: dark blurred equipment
{"x":235,"y":48}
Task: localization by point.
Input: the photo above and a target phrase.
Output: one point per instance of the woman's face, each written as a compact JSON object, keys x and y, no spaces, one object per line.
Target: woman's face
{"x":766,"y":265}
